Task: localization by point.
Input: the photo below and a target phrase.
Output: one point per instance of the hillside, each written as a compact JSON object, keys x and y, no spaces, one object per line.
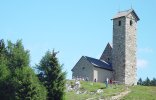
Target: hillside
{"x":96,"y":91}
{"x":93,"y":91}
{"x":141,"y":93}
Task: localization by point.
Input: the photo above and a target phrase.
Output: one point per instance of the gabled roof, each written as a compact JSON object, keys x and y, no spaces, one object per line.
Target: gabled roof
{"x":109,"y":45}
{"x":126,"y":13}
{"x":99,"y":63}
{"x":107,"y":53}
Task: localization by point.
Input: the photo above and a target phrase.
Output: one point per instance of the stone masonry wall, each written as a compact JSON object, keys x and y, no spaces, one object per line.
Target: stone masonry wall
{"x":107,"y":54}
{"x":83,"y":69}
{"x":124,"y":49}
{"x":118,"y":52}
{"x":130,"y":71}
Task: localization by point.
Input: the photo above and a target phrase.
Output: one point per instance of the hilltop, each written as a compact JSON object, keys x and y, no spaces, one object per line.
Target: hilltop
{"x":98,"y":91}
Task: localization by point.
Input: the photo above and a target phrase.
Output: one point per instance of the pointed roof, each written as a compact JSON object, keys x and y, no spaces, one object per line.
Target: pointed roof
{"x":106,"y":51}
{"x":109,"y":45}
{"x":126,"y":13}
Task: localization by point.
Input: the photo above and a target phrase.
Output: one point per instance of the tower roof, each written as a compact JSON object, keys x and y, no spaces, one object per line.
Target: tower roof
{"x":126,"y":13}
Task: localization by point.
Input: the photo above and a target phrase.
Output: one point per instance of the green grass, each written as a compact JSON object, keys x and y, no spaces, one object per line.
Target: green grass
{"x":141,"y":93}
{"x":93,"y":87}
{"x":137,"y":92}
{"x":74,"y":96}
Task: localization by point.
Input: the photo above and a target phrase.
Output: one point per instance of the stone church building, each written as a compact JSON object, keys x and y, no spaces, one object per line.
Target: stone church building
{"x":117,"y":62}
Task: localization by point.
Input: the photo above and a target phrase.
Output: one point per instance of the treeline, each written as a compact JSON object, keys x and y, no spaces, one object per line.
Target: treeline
{"x":147,"y":82}
{"x":18,"y":81}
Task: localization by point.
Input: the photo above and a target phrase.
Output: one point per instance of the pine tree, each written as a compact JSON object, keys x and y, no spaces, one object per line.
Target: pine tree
{"x":4,"y":73}
{"x":17,"y":55}
{"x":147,"y":82}
{"x":153,"y":82}
{"x":51,"y":75}
{"x":140,"y":82}
{"x":21,"y":83}
{"x":28,"y":86}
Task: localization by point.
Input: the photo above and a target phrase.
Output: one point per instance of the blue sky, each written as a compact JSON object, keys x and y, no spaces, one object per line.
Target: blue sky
{"x":76,"y":28}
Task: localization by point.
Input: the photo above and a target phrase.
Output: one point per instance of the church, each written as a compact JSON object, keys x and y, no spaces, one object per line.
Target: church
{"x":118,"y":61}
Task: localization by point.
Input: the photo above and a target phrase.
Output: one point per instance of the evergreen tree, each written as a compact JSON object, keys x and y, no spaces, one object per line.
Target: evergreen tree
{"x":19,"y":81}
{"x":147,"y":82}
{"x":4,"y":73}
{"x":140,"y":82}
{"x":153,"y":82}
{"x":17,"y":55}
{"x":27,"y":85}
{"x":51,"y":75}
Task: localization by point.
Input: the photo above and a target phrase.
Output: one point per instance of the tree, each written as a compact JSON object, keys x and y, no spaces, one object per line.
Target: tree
{"x":51,"y":75}
{"x":147,"y":82}
{"x":17,"y":55}
{"x":153,"y":82}
{"x":19,"y":81}
{"x":27,"y":85}
{"x":140,"y":82}
{"x":4,"y":73}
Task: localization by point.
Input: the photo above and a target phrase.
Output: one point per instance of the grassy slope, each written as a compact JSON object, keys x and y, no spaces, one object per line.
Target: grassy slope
{"x":141,"y":93}
{"x":137,"y":92}
{"x":93,"y":87}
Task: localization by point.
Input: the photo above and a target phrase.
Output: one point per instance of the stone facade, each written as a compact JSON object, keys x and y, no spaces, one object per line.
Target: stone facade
{"x":130,"y":76}
{"x":118,"y":51}
{"x":83,"y":69}
{"x":107,"y":54}
{"x":124,"y":48}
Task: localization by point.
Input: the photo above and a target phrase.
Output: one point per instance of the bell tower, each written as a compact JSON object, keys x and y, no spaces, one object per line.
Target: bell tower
{"x":124,"y":46}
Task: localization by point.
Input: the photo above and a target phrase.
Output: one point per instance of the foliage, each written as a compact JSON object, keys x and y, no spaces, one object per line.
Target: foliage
{"x":51,"y":75}
{"x":153,"y":82}
{"x":27,"y":85}
{"x":4,"y":72}
{"x":147,"y":82}
{"x":140,"y":82}
{"x":5,"y":89}
{"x":18,"y":81}
{"x":18,"y":57}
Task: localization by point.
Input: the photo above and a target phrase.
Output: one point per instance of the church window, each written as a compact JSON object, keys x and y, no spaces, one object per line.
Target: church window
{"x":119,"y":23}
{"x":131,"y":22}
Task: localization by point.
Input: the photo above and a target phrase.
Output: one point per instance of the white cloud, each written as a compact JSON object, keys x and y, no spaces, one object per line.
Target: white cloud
{"x":142,"y":63}
{"x":145,"y":50}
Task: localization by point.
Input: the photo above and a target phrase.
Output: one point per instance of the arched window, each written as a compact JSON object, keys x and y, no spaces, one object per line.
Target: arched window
{"x":131,"y":22}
